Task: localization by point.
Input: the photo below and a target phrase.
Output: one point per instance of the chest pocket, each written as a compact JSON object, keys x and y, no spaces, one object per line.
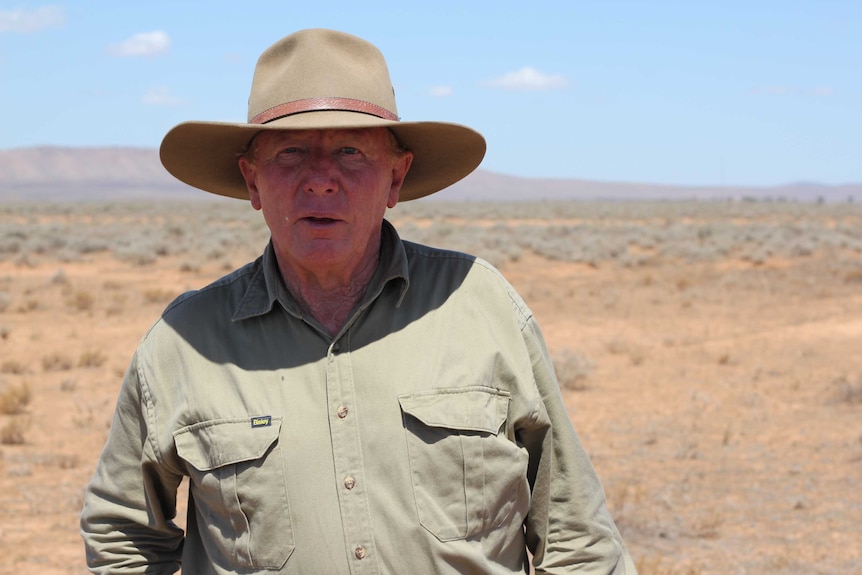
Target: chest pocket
{"x":240,"y":495}
{"x":467,"y":476}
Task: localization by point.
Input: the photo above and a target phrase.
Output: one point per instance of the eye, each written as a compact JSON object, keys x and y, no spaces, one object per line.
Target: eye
{"x":291,"y":150}
{"x":349,"y":151}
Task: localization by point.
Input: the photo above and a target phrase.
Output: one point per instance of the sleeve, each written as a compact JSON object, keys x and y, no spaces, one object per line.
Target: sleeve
{"x":130,"y":502}
{"x":568,"y":528}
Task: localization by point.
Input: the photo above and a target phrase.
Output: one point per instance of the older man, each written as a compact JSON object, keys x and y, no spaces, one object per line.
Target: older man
{"x":349,"y":402}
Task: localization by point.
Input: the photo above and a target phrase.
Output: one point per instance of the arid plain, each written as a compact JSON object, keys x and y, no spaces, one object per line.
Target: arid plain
{"x":710,"y":354}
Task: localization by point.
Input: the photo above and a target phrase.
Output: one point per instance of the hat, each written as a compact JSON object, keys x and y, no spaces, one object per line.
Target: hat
{"x":320,"y":79}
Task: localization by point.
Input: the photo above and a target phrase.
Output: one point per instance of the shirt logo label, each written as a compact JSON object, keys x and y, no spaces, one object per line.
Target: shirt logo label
{"x":264,"y":421}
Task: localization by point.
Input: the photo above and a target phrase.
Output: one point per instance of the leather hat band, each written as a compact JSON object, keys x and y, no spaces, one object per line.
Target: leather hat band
{"x":322,"y":104}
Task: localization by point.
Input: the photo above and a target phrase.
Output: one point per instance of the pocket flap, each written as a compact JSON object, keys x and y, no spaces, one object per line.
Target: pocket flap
{"x":212,"y":444}
{"x":467,"y":408}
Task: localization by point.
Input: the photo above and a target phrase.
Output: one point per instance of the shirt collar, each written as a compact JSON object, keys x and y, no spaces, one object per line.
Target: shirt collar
{"x":266,"y":285}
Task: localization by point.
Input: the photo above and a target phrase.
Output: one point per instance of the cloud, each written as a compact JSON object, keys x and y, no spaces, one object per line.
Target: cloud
{"x":28,"y":21}
{"x":161,"y":96}
{"x":441,"y":91}
{"x":528,"y":78}
{"x":143,"y":44}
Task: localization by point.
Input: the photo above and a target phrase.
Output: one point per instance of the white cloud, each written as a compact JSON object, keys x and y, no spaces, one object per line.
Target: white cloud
{"x":143,"y":44}
{"x":27,"y":21}
{"x":528,"y":78}
{"x":162,"y":96}
{"x":441,"y":91}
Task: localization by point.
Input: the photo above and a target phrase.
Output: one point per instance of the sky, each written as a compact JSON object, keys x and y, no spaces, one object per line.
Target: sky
{"x":754,"y":93}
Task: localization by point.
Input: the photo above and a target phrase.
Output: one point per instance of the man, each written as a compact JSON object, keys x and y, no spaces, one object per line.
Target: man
{"x":349,"y":402}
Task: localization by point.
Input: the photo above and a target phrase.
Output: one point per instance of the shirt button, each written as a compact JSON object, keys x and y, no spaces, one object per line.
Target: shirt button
{"x":359,"y":552}
{"x":349,"y":482}
{"x":341,"y":412}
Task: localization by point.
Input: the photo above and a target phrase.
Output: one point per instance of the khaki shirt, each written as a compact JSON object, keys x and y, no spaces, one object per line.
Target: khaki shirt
{"x":429,"y":436}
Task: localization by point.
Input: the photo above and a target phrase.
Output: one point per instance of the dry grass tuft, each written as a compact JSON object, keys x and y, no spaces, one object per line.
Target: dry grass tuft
{"x":157,"y":295}
{"x":56,"y":362}
{"x":82,"y":301}
{"x":13,"y":366}
{"x":14,"y":431}
{"x":15,"y":399}
{"x":657,"y":566}
{"x":849,"y":391}
{"x":92,"y":359}
{"x":572,"y":369}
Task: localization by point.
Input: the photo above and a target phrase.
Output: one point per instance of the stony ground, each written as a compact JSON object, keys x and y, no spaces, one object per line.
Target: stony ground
{"x":717,"y":386}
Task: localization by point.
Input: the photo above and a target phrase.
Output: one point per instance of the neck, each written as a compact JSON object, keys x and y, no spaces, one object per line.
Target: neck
{"x":330,"y":297}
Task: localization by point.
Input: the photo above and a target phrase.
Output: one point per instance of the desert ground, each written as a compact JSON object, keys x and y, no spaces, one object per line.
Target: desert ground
{"x":710,"y":354}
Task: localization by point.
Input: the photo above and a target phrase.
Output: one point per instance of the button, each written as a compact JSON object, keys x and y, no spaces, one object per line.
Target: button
{"x":359,"y":552}
{"x":342,"y":412}
{"x":349,"y":482}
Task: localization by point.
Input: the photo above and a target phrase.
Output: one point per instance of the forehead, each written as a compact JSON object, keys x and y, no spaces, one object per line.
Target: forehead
{"x":371,"y":137}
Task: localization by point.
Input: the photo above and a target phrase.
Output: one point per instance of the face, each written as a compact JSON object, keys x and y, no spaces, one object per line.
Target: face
{"x":323,"y":194}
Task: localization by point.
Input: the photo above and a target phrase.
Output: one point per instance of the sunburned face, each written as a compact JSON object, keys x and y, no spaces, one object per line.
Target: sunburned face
{"x":323,"y":194}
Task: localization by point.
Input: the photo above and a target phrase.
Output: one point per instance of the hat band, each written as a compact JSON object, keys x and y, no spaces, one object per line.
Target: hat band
{"x":322,"y":104}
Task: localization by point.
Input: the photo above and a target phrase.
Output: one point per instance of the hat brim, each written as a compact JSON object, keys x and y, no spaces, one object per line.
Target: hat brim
{"x":205,"y":154}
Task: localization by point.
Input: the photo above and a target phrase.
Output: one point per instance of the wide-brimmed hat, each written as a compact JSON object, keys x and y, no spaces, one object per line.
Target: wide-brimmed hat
{"x":320,"y":79}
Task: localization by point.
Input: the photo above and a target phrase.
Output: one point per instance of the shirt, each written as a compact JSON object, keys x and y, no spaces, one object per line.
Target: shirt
{"x":428,"y":436}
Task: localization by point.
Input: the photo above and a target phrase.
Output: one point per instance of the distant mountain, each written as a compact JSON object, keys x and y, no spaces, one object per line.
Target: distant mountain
{"x":111,"y":174}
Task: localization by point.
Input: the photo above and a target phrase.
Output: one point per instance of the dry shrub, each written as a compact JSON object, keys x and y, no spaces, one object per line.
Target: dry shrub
{"x":849,"y":390}
{"x":636,"y":354}
{"x":56,"y":362}
{"x":13,"y":366}
{"x":28,"y":305}
{"x":59,"y":278}
{"x":15,"y":399}
{"x":82,"y":301}
{"x":92,"y":359}
{"x":572,"y":369}
{"x":13,"y":432}
{"x":709,"y":527}
{"x":657,"y":566}
{"x":157,"y":295}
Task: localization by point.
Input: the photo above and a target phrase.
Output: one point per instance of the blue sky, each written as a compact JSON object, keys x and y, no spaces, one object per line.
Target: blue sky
{"x":686,"y":92}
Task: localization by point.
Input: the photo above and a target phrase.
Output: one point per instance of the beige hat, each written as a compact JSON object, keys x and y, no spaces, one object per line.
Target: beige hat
{"x":320,"y":79}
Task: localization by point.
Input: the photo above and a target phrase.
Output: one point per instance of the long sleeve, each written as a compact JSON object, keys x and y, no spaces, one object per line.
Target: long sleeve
{"x":129,"y":504}
{"x":569,"y":529}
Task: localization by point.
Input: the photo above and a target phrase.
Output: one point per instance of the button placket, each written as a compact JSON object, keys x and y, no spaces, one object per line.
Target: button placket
{"x":347,"y":458}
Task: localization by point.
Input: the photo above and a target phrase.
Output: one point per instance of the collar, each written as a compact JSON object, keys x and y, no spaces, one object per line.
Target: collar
{"x":267,"y":286}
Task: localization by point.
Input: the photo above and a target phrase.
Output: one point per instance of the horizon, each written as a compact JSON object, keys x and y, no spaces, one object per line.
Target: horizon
{"x":730,"y":95}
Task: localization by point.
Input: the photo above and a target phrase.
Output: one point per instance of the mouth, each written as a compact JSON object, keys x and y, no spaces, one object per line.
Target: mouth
{"x":319,"y":221}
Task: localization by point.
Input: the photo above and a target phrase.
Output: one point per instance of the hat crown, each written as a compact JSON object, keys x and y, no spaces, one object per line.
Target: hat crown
{"x":319,"y":64}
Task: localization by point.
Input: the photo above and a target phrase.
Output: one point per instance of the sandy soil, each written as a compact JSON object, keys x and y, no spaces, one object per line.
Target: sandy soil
{"x":723,"y":407}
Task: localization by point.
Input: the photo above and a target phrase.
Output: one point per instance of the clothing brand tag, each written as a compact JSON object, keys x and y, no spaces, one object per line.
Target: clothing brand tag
{"x":264,"y":421}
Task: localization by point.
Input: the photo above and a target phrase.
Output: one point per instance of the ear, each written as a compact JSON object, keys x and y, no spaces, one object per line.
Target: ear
{"x":248,"y":174}
{"x":399,"y":172}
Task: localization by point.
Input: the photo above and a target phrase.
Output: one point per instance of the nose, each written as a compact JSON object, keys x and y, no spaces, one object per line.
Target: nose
{"x":320,"y":173}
